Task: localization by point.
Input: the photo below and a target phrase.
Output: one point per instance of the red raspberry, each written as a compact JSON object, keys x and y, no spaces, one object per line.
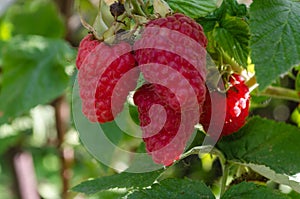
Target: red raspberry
{"x":105,"y":78}
{"x":237,"y":108}
{"x":183,"y":24}
{"x":86,"y":45}
{"x":171,"y":52}
{"x":165,"y":130}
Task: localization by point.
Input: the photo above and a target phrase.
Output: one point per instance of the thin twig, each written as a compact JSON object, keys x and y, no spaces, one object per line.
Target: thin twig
{"x":62,"y":111}
{"x":224,"y":178}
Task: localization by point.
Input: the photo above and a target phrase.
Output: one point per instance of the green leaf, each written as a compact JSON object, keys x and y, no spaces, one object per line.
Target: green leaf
{"x":276,"y":177}
{"x":233,"y":8}
{"x":208,"y":23}
{"x":194,"y":8}
{"x":233,"y":36}
{"x":122,"y":180}
{"x":247,"y":190}
{"x":228,"y":8}
{"x":174,"y":188}
{"x":38,"y":17}
{"x":33,"y":73}
{"x":111,"y":194}
{"x":265,"y":142}
{"x":275,"y":38}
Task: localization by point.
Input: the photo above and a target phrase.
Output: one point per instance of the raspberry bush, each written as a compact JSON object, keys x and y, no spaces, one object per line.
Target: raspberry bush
{"x":175,"y":99}
{"x":193,"y":73}
{"x":196,"y":75}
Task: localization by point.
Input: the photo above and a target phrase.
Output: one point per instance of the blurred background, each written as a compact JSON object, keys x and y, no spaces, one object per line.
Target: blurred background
{"x":40,"y":153}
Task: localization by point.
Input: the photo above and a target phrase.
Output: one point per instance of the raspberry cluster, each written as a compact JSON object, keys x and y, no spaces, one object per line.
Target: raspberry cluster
{"x":171,"y":55}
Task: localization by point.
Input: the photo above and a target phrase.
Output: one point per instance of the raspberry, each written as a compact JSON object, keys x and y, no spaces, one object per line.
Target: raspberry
{"x":172,"y":57}
{"x":86,"y":45}
{"x":183,"y":24}
{"x":107,"y":75}
{"x":171,"y":52}
{"x":237,"y":107}
{"x":165,"y":130}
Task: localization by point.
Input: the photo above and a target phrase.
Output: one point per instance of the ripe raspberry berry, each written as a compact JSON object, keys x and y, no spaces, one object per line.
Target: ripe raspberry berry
{"x":171,"y":52}
{"x":237,"y":107}
{"x":183,"y":24}
{"x":86,"y":45}
{"x":105,"y":79}
{"x":165,"y":130}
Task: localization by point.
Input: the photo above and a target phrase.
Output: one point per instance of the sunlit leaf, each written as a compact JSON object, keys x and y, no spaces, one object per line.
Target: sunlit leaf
{"x":276,"y":177}
{"x":122,"y":180}
{"x":232,"y":35}
{"x":194,"y":8}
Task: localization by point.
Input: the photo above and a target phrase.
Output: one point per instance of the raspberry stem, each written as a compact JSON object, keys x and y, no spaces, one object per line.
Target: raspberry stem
{"x":212,"y":150}
{"x":224,"y":178}
{"x":271,"y":91}
{"x":205,"y":149}
{"x":281,"y":93}
{"x":274,"y":91}
{"x":90,"y":28}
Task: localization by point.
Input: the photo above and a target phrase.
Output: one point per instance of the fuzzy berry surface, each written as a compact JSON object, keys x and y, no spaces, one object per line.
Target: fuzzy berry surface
{"x":237,"y":107}
{"x":106,"y":77}
{"x":87,"y":44}
{"x":171,"y":52}
{"x":165,"y":130}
